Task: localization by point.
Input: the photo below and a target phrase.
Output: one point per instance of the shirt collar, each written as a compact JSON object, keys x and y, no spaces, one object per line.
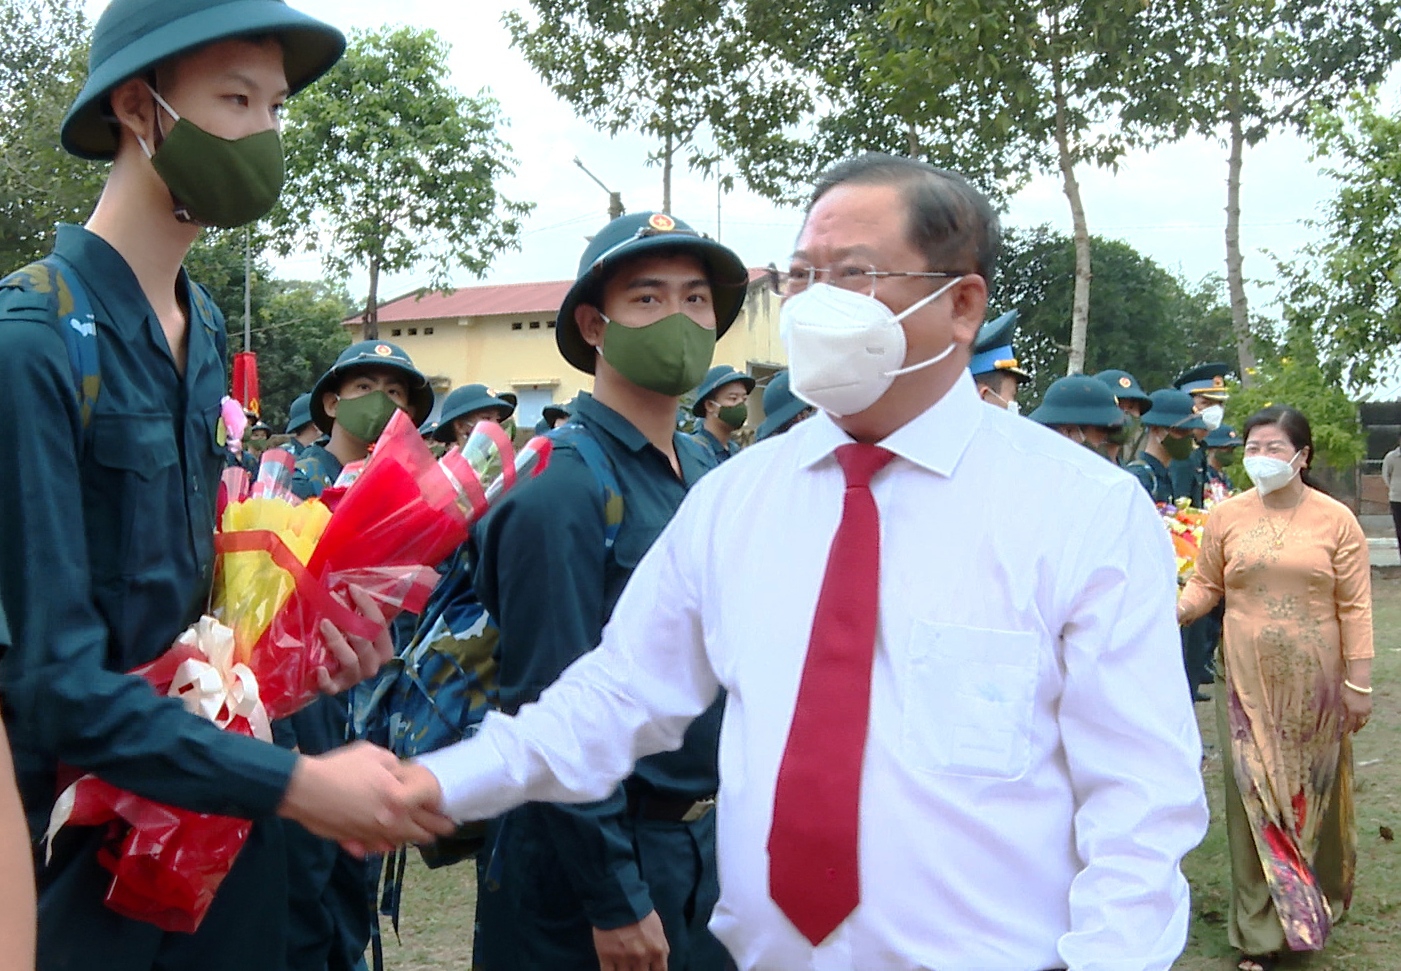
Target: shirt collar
{"x":597,"y":413}
{"x":934,"y":440}
{"x":109,"y":278}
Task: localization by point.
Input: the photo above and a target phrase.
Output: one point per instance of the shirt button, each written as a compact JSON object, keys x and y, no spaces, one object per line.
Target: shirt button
{"x":194,"y":483}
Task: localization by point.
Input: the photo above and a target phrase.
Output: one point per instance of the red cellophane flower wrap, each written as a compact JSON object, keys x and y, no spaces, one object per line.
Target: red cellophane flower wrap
{"x":167,"y":863}
{"x":283,"y":567}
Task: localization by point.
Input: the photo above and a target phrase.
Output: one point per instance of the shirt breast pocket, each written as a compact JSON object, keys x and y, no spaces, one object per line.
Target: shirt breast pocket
{"x":968,"y":700}
{"x":134,"y":458}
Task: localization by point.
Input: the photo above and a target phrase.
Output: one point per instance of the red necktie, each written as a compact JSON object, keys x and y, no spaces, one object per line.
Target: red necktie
{"x":813,"y":872}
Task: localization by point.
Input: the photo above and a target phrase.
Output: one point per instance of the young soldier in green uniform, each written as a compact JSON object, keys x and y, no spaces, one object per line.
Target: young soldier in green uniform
{"x":1206,"y":384}
{"x":1083,"y":410}
{"x":994,"y":365}
{"x":466,"y":406}
{"x":1169,"y":423}
{"x":300,"y":426}
{"x":108,"y":552}
{"x":782,"y":408}
{"x":1133,"y":402}
{"x":623,"y":882}
{"x":720,"y":404}
{"x":1219,"y":443}
{"x":352,"y":403}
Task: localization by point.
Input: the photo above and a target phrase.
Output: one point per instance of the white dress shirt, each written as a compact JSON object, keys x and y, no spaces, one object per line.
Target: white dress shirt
{"x":1031,"y":779}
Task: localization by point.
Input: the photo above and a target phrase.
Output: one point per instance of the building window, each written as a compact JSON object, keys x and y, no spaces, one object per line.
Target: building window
{"x":516,"y":325}
{"x":550,"y":325}
{"x":395,"y":332}
{"x":427,"y":331}
{"x":535,"y":325}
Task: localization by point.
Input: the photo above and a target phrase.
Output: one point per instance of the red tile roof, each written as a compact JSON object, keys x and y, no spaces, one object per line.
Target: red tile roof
{"x":485,"y":301}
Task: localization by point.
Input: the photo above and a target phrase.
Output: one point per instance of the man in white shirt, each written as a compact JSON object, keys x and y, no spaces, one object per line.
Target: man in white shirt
{"x":966,"y":752}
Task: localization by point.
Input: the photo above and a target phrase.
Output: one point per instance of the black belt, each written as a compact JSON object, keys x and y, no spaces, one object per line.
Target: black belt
{"x":668,"y":809}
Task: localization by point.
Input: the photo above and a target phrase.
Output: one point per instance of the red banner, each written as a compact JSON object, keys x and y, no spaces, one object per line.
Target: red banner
{"x":245,"y":382}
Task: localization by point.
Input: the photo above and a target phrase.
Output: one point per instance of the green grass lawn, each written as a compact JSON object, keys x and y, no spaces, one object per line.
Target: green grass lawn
{"x":436,"y":923}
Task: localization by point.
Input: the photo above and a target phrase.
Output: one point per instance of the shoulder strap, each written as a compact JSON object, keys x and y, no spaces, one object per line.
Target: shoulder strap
{"x":583,"y":442}
{"x":72,"y":317}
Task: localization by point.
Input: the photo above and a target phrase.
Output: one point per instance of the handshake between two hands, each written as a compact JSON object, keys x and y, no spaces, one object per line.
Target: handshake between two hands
{"x":366,"y":799}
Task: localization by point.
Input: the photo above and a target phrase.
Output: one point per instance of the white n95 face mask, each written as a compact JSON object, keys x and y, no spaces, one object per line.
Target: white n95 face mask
{"x":1270,"y":474}
{"x":845,"y":348}
{"x":1212,"y":416}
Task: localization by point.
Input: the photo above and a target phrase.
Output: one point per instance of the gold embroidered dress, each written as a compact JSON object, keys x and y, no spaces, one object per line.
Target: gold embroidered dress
{"x":1297,"y":588}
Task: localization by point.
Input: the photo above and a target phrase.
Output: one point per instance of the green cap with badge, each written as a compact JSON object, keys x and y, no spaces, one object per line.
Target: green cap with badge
{"x":1081,"y":400}
{"x":1124,"y":385}
{"x":134,"y":36}
{"x":647,"y":234}
{"x":1172,"y":409}
{"x":1206,"y":381}
{"x":372,"y":355}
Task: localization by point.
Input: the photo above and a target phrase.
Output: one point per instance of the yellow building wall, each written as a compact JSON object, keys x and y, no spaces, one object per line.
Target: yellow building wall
{"x":487,"y":350}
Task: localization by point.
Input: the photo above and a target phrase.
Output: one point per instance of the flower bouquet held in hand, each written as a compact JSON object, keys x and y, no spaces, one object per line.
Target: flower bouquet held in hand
{"x":283,"y":567}
{"x":1185,"y":524}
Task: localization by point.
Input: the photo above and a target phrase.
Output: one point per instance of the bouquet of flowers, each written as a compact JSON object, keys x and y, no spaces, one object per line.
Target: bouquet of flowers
{"x":1185,"y":525}
{"x":283,"y":566}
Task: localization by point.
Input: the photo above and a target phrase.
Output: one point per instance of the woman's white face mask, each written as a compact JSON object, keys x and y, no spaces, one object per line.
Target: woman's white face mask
{"x":1270,"y":474}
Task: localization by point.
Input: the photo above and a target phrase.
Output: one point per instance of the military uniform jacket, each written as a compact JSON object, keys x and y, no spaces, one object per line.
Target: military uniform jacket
{"x":720,"y":450}
{"x":1153,"y":476}
{"x":544,"y":575}
{"x":108,"y":556}
{"x":316,"y":471}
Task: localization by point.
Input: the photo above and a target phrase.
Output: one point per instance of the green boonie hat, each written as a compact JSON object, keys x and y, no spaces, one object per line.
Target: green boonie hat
{"x":464,"y":401}
{"x":372,"y":354}
{"x":780,"y":406}
{"x":715,"y":379}
{"x":1172,"y":409}
{"x":650,"y":234}
{"x":1079,"y":399}
{"x":552,"y":413}
{"x":1222,"y":436}
{"x":133,"y":36}
{"x":1124,"y":385}
{"x":299,"y":414}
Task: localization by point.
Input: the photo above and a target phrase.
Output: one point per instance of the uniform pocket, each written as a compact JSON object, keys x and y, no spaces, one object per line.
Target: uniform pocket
{"x":128,"y":491}
{"x":969,"y":699}
{"x":140,"y":444}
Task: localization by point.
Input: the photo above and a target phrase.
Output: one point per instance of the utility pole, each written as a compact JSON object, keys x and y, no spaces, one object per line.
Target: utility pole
{"x":615,"y":199}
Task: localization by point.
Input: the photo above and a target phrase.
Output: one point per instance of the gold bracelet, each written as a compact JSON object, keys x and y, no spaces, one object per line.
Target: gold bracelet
{"x":1358,"y":689}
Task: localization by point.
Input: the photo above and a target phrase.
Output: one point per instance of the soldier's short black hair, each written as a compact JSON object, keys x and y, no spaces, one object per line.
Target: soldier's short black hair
{"x":950,"y":222}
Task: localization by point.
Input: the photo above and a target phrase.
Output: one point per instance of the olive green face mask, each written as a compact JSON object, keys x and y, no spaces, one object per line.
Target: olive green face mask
{"x":365,"y":417}
{"x":669,"y":357}
{"x":1179,"y":448}
{"x":215,"y":181}
{"x":734,"y":415}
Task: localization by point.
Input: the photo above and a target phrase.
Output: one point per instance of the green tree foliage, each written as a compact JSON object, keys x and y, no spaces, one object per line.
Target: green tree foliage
{"x":1342,"y":292}
{"x":43,"y":62}
{"x":1144,"y":319}
{"x":697,"y":75}
{"x":1297,"y":380}
{"x":1240,"y":70}
{"x":296,"y":325}
{"x":389,"y":167}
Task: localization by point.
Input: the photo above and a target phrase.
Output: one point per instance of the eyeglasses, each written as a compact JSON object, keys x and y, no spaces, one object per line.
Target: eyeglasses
{"x":1272,"y":449}
{"x":857,"y":276}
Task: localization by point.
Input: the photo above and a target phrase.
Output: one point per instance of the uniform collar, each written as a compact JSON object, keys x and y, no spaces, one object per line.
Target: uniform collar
{"x":597,"y":413}
{"x":934,"y":440}
{"x":110,"y":280}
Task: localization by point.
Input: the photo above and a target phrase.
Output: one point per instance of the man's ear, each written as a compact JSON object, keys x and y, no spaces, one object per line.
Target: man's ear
{"x":329,"y":401}
{"x":591,"y":325}
{"x":970,"y":303}
{"x":135,"y":110}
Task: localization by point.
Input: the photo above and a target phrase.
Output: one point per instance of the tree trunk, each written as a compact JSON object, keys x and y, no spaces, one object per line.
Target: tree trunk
{"x":911,"y":139}
{"x":1080,"y":309}
{"x":372,"y":304}
{"x":666,"y":174}
{"x":1235,"y":278}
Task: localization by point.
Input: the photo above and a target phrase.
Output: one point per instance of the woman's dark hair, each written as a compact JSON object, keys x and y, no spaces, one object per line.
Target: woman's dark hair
{"x":950,"y":222}
{"x":1296,"y":428}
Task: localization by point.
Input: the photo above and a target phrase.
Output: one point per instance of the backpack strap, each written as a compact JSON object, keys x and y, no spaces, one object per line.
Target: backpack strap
{"x":601,"y":466}
{"x":71,"y":315}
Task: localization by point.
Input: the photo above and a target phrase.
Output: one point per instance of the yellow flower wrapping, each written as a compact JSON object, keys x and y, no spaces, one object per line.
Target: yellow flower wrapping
{"x":250,"y":589}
